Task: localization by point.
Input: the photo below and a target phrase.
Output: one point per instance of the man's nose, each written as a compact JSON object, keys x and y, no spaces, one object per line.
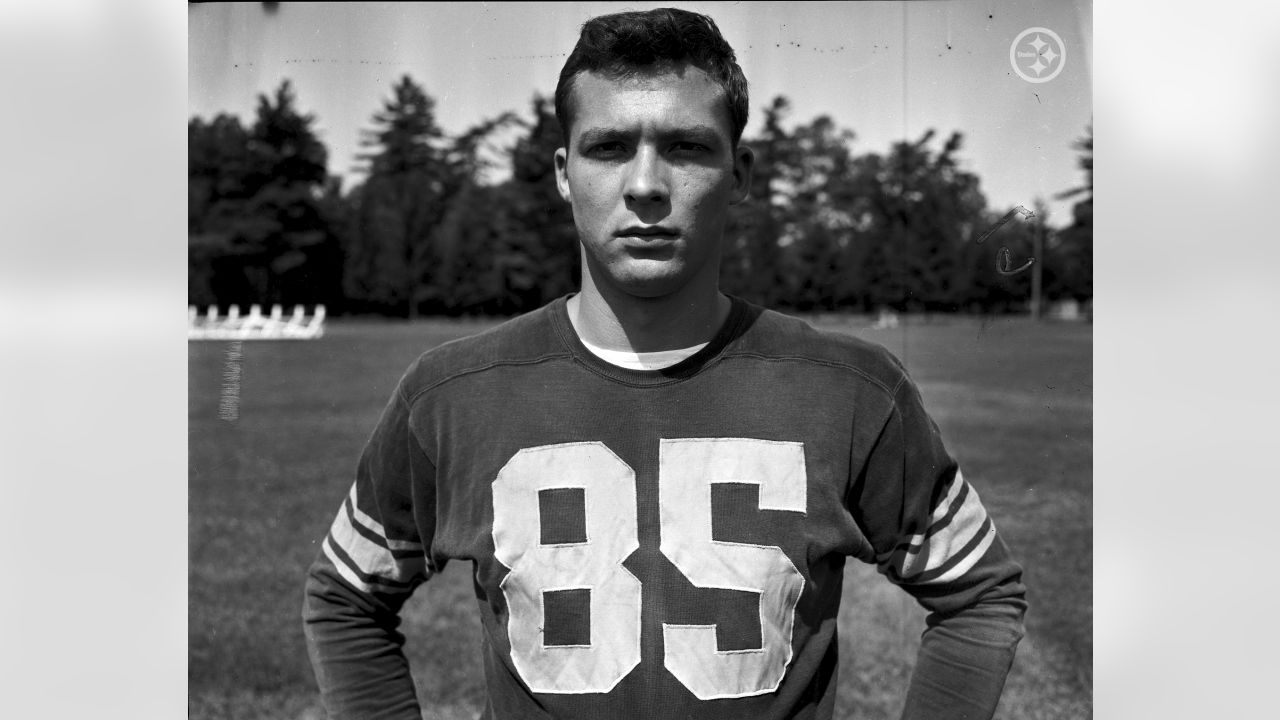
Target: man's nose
{"x":646,"y":178}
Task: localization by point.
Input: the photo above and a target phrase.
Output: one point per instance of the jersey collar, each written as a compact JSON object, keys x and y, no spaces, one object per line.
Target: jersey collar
{"x":739,"y":319}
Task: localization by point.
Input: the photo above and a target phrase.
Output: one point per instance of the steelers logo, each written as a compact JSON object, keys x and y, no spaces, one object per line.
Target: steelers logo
{"x":1037,"y":55}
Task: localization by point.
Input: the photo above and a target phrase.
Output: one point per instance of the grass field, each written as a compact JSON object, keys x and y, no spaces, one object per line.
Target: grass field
{"x":1013,"y":399}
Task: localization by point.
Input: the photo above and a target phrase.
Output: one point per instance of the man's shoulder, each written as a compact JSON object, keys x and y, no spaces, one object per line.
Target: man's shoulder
{"x":524,"y":339}
{"x":779,"y":337}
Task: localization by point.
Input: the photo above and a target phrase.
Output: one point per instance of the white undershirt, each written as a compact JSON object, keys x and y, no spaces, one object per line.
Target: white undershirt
{"x":642,"y":361}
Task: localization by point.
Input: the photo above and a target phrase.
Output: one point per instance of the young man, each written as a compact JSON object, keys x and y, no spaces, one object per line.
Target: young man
{"x":657,"y":485}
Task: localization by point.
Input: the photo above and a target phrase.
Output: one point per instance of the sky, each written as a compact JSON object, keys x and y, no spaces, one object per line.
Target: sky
{"x":886,"y":70}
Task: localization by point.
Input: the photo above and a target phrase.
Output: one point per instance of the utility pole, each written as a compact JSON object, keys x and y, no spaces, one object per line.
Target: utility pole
{"x":1037,"y":268}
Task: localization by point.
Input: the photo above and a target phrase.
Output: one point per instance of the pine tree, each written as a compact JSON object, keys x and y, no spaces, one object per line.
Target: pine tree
{"x":541,"y":261}
{"x":921,"y":208}
{"x":1074,"y":251}
{"x":751,"y":266}
{"x":410,"y":180}
{"x":255,"y":233}
{"x":285,"y":230}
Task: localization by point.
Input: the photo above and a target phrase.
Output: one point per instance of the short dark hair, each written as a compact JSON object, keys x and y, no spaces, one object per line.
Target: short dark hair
{"x":628,"y":43}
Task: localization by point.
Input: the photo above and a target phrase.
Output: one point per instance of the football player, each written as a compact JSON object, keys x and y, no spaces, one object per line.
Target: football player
{"x":657,"y":485}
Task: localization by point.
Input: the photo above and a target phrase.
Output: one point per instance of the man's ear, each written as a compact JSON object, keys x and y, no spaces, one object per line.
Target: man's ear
{"x":562,"y":173}
{"x":744,"y":161}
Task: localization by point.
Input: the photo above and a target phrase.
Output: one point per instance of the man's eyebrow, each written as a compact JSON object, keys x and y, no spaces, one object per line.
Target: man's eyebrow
{"x":702,"y":133}
{"x":590,"y":136}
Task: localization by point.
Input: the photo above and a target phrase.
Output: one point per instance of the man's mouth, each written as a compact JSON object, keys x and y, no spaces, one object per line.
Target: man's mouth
{"x":648,"y":233}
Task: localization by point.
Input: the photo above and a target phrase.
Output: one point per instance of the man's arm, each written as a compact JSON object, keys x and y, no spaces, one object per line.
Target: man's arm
{"x":356,"y":650}
{"x":932,"y":536}
{"x":370,"y":562}
{"x":965,"y":657}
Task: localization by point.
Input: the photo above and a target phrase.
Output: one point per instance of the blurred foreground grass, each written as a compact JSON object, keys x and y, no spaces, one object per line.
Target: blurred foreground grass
{"x":1013,"y":399}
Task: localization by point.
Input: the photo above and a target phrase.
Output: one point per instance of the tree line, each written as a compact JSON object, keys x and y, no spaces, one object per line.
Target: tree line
{"x":824,"y":229}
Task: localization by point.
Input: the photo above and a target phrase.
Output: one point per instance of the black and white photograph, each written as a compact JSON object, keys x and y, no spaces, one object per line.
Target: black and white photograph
{"x":723,"y":360}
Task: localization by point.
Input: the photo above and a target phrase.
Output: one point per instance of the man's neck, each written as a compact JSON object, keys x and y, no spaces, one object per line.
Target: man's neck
{"x":616,"y":321}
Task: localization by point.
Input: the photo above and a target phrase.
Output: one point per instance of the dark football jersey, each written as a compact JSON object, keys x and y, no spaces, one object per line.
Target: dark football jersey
{"x":668,"y":543}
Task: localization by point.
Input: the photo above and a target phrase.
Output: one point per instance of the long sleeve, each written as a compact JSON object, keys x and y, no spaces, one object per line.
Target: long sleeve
{"x":932,"y":536}
{"x":372,"y":558}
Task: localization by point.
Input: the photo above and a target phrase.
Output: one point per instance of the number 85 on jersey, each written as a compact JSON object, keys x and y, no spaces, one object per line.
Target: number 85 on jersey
{"x":687,"y":470}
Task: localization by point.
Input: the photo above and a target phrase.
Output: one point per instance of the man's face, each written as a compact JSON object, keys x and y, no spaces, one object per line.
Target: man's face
{"x":650,"y":172}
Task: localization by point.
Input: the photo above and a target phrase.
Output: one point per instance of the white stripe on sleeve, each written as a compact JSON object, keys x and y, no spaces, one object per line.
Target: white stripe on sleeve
{"x":938,"y":546}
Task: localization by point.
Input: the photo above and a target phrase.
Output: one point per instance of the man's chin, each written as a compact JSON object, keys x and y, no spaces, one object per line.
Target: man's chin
{"x":650,"y":278}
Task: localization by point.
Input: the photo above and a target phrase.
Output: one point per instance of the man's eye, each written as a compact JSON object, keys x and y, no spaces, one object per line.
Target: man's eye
{"x":689,"y":148}
{"x":608,"y":149}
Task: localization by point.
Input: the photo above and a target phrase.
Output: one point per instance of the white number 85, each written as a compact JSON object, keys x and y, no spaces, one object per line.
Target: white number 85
{"x":687,"y":469}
